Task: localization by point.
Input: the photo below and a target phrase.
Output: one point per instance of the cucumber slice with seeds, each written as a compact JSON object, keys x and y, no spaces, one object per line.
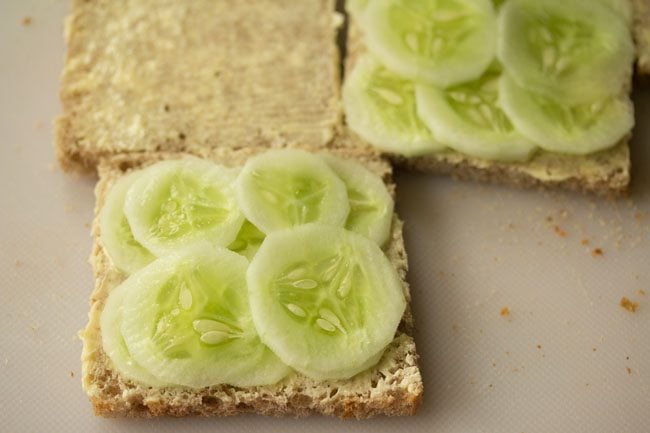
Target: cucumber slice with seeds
{"x":113,"y":342}
{"x":175,"y":203}
{"x":186,"y":320}
{"x":127,"y":254}
{"x":469,"y":119}
{"x":569,"y":50}
{"x":327,"y":301}
{"x":380,"y":107}
{"x":557,"y":127}
{"x":441,"y":42}
{"x":371,"y":205}
{"x":285,"y":188}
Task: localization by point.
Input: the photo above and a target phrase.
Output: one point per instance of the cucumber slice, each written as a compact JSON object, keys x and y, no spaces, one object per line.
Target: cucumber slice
{"x":326,"y":300}
{"x":573,"y":50}
{"x":175,"y":203}
{"x":113,"y":343}
{"x":441,"y":42}
{"x":127,"y":254}
{"x":371,"y":205}
{"x":468,"y":119}
{"x":186,"y":320}
{"x":557,"y":127}
{"x":248,"y":240}
{"x":285,"y":188}
{"x":380,"y":107}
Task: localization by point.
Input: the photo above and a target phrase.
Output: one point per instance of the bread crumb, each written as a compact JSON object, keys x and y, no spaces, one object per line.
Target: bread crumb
{"x":640,"y":292}
{"x":18,"y":263}
{"x":27,"y":21}
{"x":593,"y":350}
{"x":558,"y":231}
{"x":71,"y":373}
{"x":597,"y":252}
{"x":629,"y":370}
{"x":584,"y":241}
{"x":638,"y":216}
{"x":505,"y":312}
{"x":630,"y":306}
{"x":539,"y":346}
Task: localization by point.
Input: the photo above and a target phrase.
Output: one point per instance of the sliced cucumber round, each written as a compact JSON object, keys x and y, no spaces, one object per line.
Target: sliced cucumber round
{"x":285,"y":188}
{"x":113,"y":343}
{"x":380,"y":107}
{"x":557,"y":127}
{"x":248,"y":240}
{"x":371,"y":205}
{"x":127,"y":254}
{"x":186,"y":320}
{"x":175,"y":203}
{"x":572,"y":50}
{"x":326,"y":300}
{"x":468,"y":119}
{"x":441,"y":42}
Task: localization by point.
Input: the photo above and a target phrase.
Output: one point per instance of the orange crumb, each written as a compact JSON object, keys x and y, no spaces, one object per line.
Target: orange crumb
{"x":640,"y":292}
{"x":629,"y":370}
{"x":630,"y":306}
{"x":558,"y":231}
{"x":27,"y":21}
{"x":585,"y":242}
{"x":505,"y":312}
{"x":597,"y":252}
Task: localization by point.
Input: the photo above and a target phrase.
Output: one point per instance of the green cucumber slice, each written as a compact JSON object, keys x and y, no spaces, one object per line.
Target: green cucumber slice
{"x":285,"y":188}
{"x":178,"y":202}
{"x":557,"y":127}
{"x":571,"y":50}
{"x":326,"y":300}
{"x":113,"y":343}
{"x":441,"y":42}
{"x":127,"y":254}
{"x":248,"y":240}
{"x":469,"y":119}
{"x":371,"y":205}
{"x":380,"y":107}
{"x":187,"y":321}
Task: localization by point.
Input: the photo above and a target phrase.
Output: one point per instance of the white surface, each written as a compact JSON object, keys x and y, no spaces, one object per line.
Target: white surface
{"x":473,"y":250}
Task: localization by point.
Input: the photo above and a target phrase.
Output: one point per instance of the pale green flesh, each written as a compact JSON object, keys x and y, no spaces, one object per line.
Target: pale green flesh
{"x":327,"y":310}
{"x":186,"y":320}
{"x":441,"y":42}
{"x":127,"y":254}
{"x":371,"y":205}
{"x":380,"y":107}
{"x":288,"y":188}
{"x":176,"y":203}
{"x":557,"y":127}
{"x":248,"y":240}
{"x":469,"y":119}
{"x":113,"y":342}
{"x":569,"y":50}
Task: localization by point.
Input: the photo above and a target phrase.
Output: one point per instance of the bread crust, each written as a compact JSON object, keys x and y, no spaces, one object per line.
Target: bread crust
{"x":604,"y":173}
{"x":393,"y":387}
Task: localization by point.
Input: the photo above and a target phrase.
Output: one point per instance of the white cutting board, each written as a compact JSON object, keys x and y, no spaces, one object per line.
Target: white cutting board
{"x":567,"y":358}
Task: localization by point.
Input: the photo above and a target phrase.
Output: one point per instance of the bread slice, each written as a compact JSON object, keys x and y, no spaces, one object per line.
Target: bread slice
{"x":166,"y":75}
{"x":393,"y":387}
{"x":605,"y":173}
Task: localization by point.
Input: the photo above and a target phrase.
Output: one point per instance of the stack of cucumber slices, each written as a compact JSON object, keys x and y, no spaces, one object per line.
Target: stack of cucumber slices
{"x":241,"y":277}
{"x":496,"y":80}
